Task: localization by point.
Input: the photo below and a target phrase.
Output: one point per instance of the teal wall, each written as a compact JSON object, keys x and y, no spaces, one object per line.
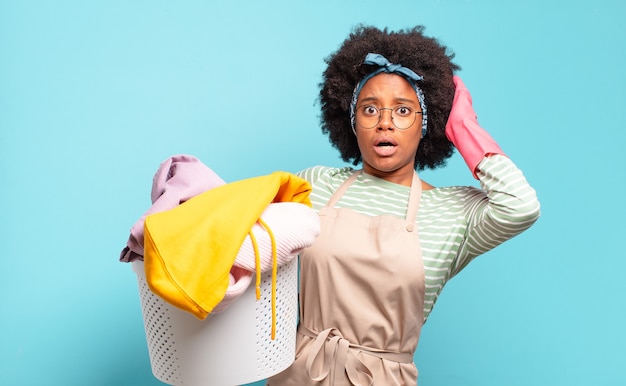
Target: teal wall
{"x":95,"y":94}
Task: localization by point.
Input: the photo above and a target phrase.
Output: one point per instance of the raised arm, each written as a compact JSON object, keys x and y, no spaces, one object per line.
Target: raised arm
{"x":509,"y":205}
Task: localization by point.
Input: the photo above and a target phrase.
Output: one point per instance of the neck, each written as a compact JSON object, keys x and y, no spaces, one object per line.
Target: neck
{"x":400,"y":177}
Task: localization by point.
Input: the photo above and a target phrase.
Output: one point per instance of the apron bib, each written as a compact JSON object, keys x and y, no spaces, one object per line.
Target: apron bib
{"x":362,"y":299}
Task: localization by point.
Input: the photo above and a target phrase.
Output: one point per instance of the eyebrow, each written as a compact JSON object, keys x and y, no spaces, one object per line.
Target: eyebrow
{"x":398,"y":100}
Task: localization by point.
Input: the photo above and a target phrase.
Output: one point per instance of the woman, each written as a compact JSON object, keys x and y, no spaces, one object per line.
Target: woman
{"x":389,"y":242}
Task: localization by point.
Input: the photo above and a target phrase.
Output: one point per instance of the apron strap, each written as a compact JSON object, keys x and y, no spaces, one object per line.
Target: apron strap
{"x":414,"y":200}
{"x":342,"y":189}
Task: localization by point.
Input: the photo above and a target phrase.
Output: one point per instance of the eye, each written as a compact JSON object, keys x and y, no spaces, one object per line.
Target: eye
{"x":370,"y":110}
{"x":404,"y":111}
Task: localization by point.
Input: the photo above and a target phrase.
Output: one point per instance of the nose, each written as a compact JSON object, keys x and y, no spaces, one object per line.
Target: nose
{"x":386,"y":121}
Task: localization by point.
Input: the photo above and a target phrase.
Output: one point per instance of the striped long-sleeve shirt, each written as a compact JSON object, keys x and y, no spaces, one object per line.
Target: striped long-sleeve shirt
{"x":455,"y":224}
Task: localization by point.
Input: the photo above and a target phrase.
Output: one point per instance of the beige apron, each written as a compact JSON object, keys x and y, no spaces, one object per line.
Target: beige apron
{"x":362,"y":299}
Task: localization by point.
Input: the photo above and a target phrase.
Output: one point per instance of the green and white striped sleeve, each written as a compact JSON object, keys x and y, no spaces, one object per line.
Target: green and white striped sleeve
{"x":509,"y":208}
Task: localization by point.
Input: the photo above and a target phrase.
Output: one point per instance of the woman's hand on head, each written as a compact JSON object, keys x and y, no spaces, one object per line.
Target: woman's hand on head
{"x":463,"y":130}
{"x":462,"y":111}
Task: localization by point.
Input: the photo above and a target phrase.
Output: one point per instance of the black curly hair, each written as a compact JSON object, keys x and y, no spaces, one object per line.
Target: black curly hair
{"x":408,"y":47}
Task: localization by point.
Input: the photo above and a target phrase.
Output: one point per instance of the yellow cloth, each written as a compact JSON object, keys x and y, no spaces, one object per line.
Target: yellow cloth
{"x":189,"y":250}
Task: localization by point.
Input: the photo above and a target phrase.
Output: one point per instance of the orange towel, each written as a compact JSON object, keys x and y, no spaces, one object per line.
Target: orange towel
{"x":189,"y":250}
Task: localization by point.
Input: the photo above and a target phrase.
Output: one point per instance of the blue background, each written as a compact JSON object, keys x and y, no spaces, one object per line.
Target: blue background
{"x":94,"y":95}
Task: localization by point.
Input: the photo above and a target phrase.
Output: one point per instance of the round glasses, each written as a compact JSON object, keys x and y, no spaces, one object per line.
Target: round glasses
{"x":403,"y":117}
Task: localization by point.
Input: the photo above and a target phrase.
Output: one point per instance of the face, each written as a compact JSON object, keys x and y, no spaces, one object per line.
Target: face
{"x":386,"y":151}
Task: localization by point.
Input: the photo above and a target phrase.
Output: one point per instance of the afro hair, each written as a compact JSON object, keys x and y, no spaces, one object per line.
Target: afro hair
{"x":408,"y":47}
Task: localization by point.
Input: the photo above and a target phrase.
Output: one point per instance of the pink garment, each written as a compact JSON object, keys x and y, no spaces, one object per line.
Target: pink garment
{"x":177,"y":179}
{"x":295,"y":227}
{"x":181,"y":177}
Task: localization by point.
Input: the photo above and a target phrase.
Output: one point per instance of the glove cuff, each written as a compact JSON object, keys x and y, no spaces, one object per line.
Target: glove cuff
{"x":474,"y":143}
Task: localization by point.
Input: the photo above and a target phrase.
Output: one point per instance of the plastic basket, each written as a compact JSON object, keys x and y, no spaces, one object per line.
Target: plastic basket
{"x":233,"y":347}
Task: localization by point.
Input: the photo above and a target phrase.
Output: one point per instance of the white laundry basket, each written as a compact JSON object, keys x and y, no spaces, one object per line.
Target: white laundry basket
{"x":233,"y":347}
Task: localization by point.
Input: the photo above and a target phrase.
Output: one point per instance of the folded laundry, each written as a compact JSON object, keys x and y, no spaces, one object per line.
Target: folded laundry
{"x":190,"y":250}
{"x":202,"y":240}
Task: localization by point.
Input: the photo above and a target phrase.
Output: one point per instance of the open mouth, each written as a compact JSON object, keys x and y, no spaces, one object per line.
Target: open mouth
{"x":385,"y":148}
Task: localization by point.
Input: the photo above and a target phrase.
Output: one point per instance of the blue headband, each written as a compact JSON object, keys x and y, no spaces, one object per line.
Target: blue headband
{"x":385,"y":66}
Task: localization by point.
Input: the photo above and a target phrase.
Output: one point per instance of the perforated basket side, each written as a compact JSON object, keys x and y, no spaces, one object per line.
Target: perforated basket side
{"x":164,"y":355}
{"x":273,"y":356}
{"x":228,"y":348}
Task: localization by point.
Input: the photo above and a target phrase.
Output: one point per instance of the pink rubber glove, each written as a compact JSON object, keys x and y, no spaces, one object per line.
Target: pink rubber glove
{"x":463,"y":130}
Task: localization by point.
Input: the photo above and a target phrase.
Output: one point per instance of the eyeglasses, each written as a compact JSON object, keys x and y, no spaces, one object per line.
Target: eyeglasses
{"x":403,"y":117}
